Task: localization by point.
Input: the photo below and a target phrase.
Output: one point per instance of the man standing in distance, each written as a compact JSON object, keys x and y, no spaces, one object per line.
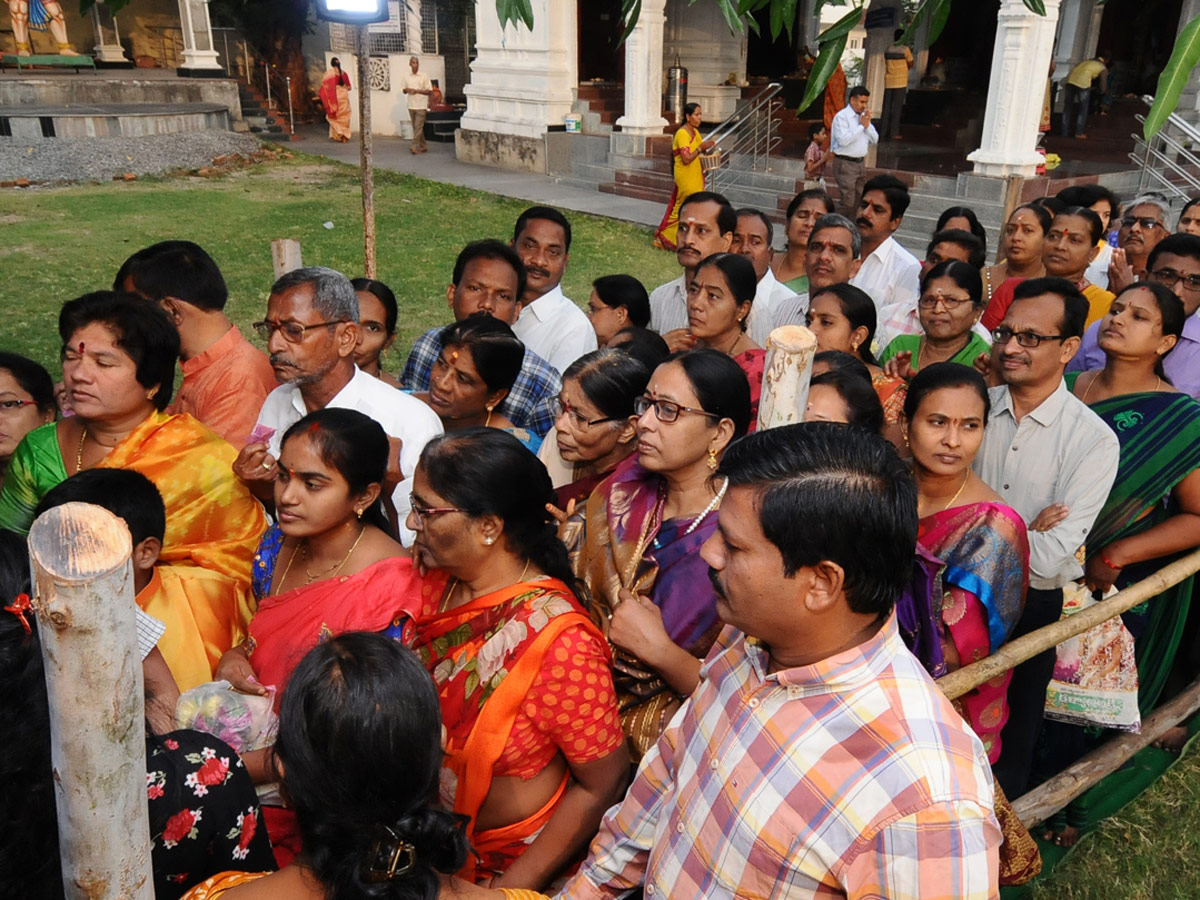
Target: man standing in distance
{"x":489,"y":280}
{"x":311,"y":329}
{"x":853,"y":135}
{"x":816,"y":758}
{"x":418,"y":87}
{"x":549,"y":324}
{"x":1054,"y":461}
{"x":707,"y":223}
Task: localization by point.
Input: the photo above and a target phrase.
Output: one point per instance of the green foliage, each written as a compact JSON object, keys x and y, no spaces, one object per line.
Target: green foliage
{"x":63,"y":242}
{"x":1174,"y":78}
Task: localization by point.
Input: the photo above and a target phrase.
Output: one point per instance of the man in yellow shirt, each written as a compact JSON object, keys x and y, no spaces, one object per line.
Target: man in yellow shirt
{"x":898,"y":60}
{"x":1078,"y":87}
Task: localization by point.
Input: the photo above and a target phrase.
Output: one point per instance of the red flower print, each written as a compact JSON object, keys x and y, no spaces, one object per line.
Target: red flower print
{"x":179,"y":826}
{"x":181,"y":878}
{"x":247,"y":824}
{"x":171,"y":744}
{"x":214,"y":771}
{"x":154,"y":791}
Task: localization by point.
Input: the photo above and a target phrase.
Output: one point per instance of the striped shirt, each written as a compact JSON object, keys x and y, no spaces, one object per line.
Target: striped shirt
{"x":852,"y":777}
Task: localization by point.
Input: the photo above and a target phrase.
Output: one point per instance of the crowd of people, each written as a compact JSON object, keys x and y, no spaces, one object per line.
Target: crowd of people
{"x":546,"y":613}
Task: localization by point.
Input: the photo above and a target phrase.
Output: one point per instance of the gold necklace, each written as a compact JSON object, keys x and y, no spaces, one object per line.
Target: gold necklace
{"x":454,"y":583}
{"x":79,"y":452}
{"x":958,"y":492}
{"x":338,"y":567}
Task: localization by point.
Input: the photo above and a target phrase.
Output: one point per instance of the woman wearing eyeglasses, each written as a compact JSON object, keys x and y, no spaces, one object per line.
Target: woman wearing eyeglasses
{"x":635,"y":544}
{"x":476,"y":368}
{"x":534,"y":750}
{"x":26,"y":401}
{"x":802,"y":213}
{"x":595,"y":426}
{"x":119,"y":355}
{"x":950,"y":304}
{"x":1152,"y":512}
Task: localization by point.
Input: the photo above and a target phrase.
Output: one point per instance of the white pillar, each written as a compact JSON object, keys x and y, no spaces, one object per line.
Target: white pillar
{"x":108,"y":41}
{"x":1016,"y":89}
{"x":198,"y":50}
{"x":644,"y":73}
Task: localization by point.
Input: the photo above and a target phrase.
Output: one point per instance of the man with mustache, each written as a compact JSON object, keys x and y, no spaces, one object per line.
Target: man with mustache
{"x":489,"y":280}
{"x":831,"y":256}
{"x":816,"y":757}
{"x":1054,"y":461}
{"x":889,"y":274}
{"x":311,"y":329}
{"x":549,"y":324}
{"x":1142,"y":227}
{"x":707,"y":223}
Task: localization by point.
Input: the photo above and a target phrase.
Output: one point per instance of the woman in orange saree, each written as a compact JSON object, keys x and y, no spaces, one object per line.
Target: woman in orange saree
{"x":534,"y":749}
{"x":335,"y":97}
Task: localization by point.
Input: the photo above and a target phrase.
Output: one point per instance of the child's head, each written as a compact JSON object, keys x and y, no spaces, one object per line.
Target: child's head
{"x":816,"y":132}
{"x":128,"y":495}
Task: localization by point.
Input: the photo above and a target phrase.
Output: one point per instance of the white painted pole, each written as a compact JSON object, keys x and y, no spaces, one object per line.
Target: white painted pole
{"x":85,"y":606}
{"x":285,"y":256}
{"x":790,"y":352}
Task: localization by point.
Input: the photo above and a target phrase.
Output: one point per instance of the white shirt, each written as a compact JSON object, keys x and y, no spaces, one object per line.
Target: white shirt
{"x":555,"y":329}
{"x":849,"y":137}
{"x":1061,"y":452}
{"x":668,"y":306}
{"x":401,"y":415}
{"x":770,"y":297}
{"x":890,"y":275}
{"x":1097,"y":270}
{"x":418,"y":81}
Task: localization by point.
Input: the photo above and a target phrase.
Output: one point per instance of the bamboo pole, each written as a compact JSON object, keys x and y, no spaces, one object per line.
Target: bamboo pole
{"x":85,"y":605}
{"x":790,"y":352}
{"x":1048,"y":798}
{"x":362,"y":48}
{"x":1016,"y":652}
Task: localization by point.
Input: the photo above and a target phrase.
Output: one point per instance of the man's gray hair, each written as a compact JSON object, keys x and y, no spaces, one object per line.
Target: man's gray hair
{"x":334,"y":297}
{"x":1156,"y":200}
{"x":836,"y":220}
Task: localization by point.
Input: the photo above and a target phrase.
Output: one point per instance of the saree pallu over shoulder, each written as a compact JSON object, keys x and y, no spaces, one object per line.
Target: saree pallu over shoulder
{"x":484,"y":657}
{"x":36,"y":466}
{"x":619,"y":540}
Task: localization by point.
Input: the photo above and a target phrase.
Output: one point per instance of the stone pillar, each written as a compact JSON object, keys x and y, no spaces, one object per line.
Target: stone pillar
{"x":879,"y":38}
{"x":1189,"y":100}
{"x":522,"y":85}
{"x":644,"y":73}
{"x":108,"y":50}
{"x":699,"y":35}
{"x":1020,"y":61}
{"x":199,"y":55}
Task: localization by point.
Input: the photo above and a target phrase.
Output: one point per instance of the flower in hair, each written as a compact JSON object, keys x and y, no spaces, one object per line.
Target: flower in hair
{"x":18,"y":608}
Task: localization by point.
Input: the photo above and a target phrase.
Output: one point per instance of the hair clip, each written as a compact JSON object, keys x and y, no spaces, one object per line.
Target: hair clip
{"x":390,"y":857}
{"x":18,"y":608}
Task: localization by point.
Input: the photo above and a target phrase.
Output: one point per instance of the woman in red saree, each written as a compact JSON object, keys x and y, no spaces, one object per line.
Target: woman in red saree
{"x":329,"y":566}
{"x":335,"y":97}
{"x":534,"y":749}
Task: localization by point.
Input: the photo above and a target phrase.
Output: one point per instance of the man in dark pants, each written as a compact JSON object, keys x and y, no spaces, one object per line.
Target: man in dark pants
{"x":1054,"y":461}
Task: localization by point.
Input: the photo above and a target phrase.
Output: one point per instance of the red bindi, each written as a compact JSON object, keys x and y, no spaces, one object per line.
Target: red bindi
{"x":81,"y":346}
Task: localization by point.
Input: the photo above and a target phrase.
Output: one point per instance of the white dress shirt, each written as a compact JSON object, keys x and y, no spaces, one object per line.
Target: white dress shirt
{"x":401,"y":415}
{"x":668,"y":306}
{"x":890,"y":275}
{"x":555,"y":329}
{"x":849,"y":137}
{"x":771,"y":298}
{"x":1061,"y":452}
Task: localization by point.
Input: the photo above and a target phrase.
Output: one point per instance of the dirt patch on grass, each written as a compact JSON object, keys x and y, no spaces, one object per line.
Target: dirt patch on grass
{"x":305,"y":173}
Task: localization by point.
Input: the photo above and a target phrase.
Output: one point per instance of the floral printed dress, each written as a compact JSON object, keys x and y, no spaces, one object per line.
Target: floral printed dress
{"x":204,"y":814}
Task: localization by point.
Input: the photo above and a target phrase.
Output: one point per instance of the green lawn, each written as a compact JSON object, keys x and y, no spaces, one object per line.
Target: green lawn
{"x":63,"y":242}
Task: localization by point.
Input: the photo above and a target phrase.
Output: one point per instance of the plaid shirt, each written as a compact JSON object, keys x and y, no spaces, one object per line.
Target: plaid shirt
{"x":527,"y":404}
{"x":853,"y":777}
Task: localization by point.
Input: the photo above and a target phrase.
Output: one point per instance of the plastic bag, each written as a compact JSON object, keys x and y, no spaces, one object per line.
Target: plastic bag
{"x":1095,"y":676}
{"x":244,"y":721}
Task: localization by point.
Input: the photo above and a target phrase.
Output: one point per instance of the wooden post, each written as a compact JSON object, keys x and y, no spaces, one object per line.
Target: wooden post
{"x":285,"y":256}
{"x":85,"y":606}
{"x":790,"y":352}
{"x":1015,"y":652}
{"x":363,"y":47}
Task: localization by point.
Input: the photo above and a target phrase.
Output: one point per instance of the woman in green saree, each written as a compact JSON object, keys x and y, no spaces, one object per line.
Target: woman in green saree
{"x":1151,"y":516}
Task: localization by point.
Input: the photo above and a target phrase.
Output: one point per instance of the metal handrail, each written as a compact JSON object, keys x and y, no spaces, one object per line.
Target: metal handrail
{"x":1155,"y":151}
{"x":268,"y":71}
{"x":747,"y":135}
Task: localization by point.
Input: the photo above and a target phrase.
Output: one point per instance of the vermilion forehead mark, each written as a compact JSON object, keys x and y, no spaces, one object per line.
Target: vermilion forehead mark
{"x":81,"y":346}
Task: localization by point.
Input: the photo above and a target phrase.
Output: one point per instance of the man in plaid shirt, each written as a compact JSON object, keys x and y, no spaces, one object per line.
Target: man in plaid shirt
{"x":816,"y":758}
{"x":489,"y":280}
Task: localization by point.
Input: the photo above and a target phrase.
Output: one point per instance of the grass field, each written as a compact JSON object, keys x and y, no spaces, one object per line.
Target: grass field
{"x":62,"y":242}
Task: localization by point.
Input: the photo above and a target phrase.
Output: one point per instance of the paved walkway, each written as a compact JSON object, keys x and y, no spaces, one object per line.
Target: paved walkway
{"x":440,"y":164}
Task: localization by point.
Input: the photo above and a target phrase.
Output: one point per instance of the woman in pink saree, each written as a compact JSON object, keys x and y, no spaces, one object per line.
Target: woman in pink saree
{"x":335,"y":97}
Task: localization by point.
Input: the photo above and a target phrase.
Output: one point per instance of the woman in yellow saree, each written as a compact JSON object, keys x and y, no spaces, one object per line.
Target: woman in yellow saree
{"x":118,"y":368}
{"x":689,"y":176}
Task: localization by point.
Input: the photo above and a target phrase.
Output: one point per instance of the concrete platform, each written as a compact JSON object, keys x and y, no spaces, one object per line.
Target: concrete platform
{"x":113,"y":119}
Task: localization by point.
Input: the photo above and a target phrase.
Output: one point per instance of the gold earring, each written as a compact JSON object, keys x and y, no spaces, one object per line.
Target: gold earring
{"x":711,"y":462}
{"x":358,"y":513}
{"x":150,"y":394}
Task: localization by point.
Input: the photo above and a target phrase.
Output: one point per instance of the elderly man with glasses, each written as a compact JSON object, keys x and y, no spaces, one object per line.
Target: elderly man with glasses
{"x":1142,"y":227}
{"x":311,"y":329}
{"x":1054,"y":461}
{"x":1174,"y":262}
